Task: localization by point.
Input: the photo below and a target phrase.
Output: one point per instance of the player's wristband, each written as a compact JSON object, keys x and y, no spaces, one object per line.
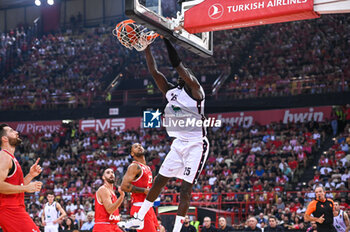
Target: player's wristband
{"x":174,"y":58}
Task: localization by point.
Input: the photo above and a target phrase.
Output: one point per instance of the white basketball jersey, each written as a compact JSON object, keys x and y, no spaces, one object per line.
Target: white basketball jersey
{"x":183,"y":115}
{"x":339,"y":223}
{"x":51,"y":213}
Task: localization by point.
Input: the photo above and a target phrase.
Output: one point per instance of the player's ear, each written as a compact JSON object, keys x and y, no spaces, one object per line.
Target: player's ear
{"x":4,"y":138}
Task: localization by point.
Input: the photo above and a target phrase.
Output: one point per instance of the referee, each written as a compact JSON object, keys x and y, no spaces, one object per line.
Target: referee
{"x":322,"y":211}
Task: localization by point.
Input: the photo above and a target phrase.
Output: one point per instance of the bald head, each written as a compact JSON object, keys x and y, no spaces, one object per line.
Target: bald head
{"x":252,"y":222}
{"x":207,"y":222}
{"x":222,"y":222}
{"x":320,"y":193}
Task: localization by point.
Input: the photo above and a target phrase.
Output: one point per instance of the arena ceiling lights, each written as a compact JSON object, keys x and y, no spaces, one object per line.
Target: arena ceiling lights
{"x":49,"y":2}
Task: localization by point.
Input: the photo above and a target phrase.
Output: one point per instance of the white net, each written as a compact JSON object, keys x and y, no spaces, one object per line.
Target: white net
{"x":133,"y":35}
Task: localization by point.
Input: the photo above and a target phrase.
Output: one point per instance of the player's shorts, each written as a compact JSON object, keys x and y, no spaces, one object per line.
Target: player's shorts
{"x":150,"y":220}
{"x":51,"y":228}
{"x":185,"y":160}
{"x":106,"y":227}
{"x":16,"y":219}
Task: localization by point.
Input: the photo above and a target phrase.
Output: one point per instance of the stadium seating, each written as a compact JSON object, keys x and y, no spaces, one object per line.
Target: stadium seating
{"x":307,"y":57}
{"x":246,"y":167}
{"x":59,"y":70}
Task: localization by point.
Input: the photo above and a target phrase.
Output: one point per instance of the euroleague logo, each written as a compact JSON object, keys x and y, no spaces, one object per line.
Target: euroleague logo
{"x":216,"y":11}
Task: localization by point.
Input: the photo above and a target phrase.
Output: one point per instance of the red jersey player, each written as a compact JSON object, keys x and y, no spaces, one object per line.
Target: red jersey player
{"x":13,"y":215}
{"x":138,"y":180}
{"x":107,"y":204}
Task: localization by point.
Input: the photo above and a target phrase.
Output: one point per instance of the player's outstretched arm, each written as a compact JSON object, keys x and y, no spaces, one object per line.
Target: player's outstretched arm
{"x":158,"y":77}
{"x":185,"y":74}
{"x":131,"y":174}
{"x":105,"y":197}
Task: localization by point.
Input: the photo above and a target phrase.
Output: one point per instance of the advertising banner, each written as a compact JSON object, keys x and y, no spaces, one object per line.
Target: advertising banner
{"x":245,"y":119}
{"x":216,"y":15}
{"x":29,"y":127}
{"x":106,"y":124}
{"x":264,"y":117}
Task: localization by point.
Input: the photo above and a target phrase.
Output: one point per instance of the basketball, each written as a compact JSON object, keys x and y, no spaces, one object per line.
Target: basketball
{"x":127,"y":32}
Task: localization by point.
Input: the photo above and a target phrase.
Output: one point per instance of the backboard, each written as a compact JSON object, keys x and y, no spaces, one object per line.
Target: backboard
{"x":166,"y":17}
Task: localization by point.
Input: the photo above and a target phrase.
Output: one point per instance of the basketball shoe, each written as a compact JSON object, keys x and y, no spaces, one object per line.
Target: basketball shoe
{"x":132,"y":223}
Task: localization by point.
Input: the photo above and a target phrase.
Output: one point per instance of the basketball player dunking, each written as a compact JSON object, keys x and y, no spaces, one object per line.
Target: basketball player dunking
{"x":189,"y":150}
{"x":138,"y":180}
{"x":107,"y":204}
{"x":13,"y":215}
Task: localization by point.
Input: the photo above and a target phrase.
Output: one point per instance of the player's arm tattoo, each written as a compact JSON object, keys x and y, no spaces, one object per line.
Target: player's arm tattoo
{"x":133,"y":173}
{"x":135,"y":189}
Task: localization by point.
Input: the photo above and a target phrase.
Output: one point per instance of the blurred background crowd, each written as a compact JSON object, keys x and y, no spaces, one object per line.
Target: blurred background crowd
{"x":71,"y":67}
{"x":255,"y":175}
{"x":261,"y":170}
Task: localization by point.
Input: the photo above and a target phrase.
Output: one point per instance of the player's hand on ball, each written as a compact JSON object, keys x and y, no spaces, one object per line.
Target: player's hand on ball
{"x":34,"y":187}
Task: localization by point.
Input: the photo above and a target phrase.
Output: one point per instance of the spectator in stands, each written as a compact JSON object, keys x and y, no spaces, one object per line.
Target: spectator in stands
{"x":223,"y":227}
{"x":71,"y":207}
{"x":187,"y":227}
{"x":344,"y":146}
{"x":90,"y":222}
{"x":75,"y":222}
{"x":37,"y":222}
{"x":285,"y":221}
{"x":207,"y":226}
{"x":301,"y":209}
{"x":273,"y":227}
{"x":194,"y":222}
{"x":334,"y":122}
{"x":80,"y":216}
{"x":280,"y":204}
{"x":262,"y":219}
{"x":313,"y":227}
{"x":68,"y":225}
{"x":252,"y":225}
